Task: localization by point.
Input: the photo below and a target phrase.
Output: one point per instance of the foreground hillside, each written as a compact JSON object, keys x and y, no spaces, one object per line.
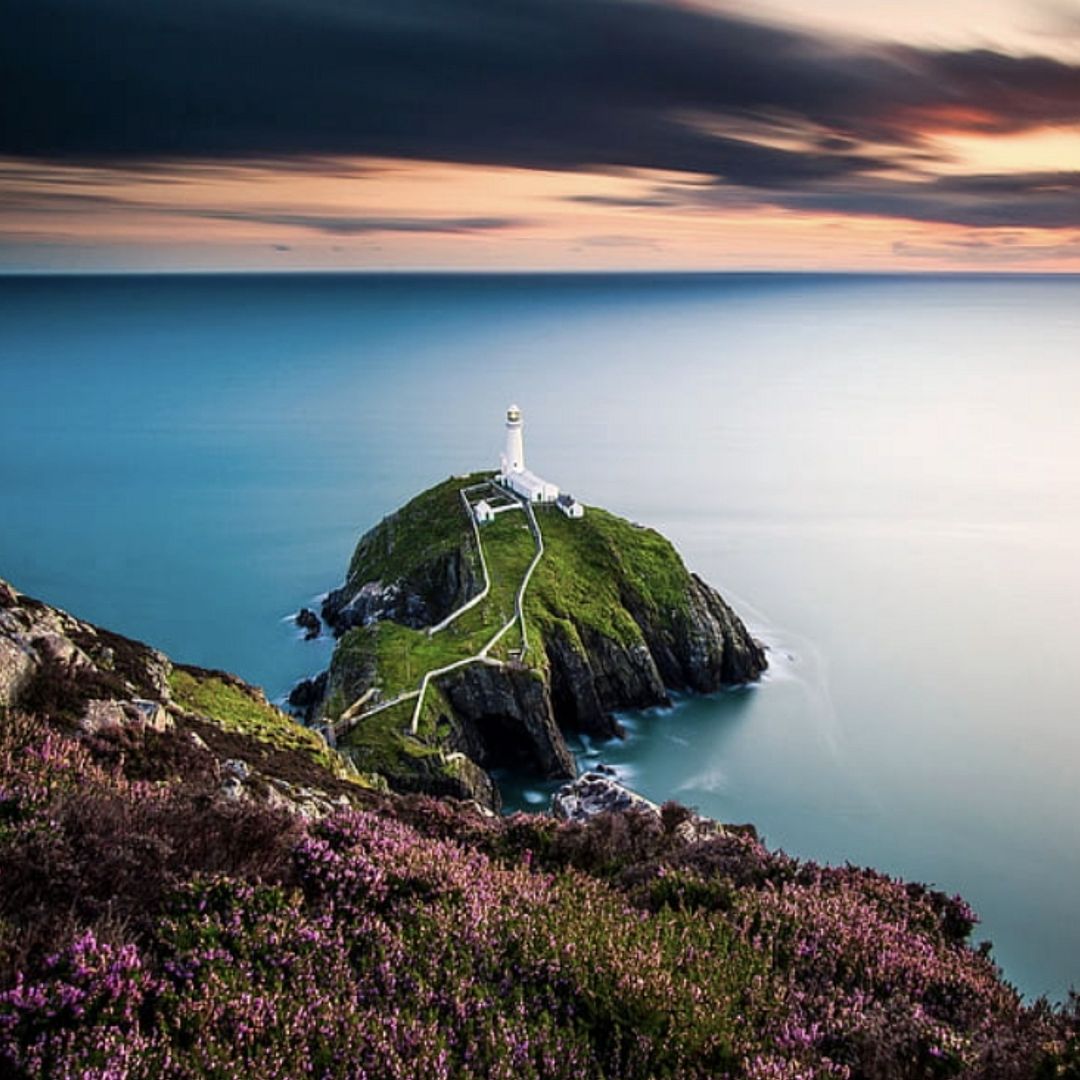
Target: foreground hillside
{"x":162,"y":930}
{"x":611,"y":619}
{"x":214,"y":897}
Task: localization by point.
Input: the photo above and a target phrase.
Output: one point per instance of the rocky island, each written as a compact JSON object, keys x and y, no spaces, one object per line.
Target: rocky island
{"x":611,"y":619}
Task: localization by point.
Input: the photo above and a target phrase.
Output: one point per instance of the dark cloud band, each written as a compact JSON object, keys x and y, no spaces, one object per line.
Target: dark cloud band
{"x":558,"y":84}
{"x":26,"y":200}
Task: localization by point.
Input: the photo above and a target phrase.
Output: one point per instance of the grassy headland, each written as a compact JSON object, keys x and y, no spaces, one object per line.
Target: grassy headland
{"x":593,"y":572}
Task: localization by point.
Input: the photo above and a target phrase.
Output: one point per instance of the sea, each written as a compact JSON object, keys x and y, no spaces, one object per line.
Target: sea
{"x":882,"y":474}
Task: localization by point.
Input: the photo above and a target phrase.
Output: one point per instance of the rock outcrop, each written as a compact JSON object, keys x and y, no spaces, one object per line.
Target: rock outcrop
{"x":429,"y":594}
{"x":133,"y":706}
{"x":595,"y":793}
{"x":414,"y":568}
{"x":309,"y":622}
{"x":444,"y":774}
{"x":306,"y":695}
{"x":52,"y":662}
{"x":504,"y":717}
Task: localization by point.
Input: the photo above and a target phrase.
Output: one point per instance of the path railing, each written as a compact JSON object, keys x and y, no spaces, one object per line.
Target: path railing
{"x":538,"y":536}
{"x":341,"y":727}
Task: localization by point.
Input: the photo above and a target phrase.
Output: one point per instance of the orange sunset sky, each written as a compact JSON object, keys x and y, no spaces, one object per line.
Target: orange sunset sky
{"x":540,"y":134}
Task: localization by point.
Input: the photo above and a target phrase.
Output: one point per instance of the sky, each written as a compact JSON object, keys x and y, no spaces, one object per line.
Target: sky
{"x":908,"y":135}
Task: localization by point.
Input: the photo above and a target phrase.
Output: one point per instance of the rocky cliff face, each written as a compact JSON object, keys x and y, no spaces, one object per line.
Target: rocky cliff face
{"x":429,"y":594}
{"x":615,"y":622}
{"x":415,"y":567}
{"x":53,"y":663}
{"x":134,"y":707}
{"x":702,"y":650}
{"x":504,"y":716}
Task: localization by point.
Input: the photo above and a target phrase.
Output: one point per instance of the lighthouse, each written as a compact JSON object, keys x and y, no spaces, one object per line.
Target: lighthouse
{"x":527,"y":485}
{"x":513,"y":461}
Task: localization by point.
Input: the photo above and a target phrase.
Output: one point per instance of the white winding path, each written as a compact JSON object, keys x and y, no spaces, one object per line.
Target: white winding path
{"x":538,"y":536}
{"x":354,"y":715}
{"x":482,"y":657}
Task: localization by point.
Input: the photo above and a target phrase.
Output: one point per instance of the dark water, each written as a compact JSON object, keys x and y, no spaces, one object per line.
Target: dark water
{"x":883,"y":475}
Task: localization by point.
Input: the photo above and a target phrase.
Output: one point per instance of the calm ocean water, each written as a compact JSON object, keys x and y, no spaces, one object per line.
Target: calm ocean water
{"x":883,"y":474}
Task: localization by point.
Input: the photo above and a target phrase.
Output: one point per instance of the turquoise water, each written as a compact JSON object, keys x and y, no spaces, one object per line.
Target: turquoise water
{"x":882,"y":473}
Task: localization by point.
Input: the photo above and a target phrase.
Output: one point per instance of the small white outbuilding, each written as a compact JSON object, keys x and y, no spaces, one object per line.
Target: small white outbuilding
{"x":483,"y":513}
{"x":570,"y":506}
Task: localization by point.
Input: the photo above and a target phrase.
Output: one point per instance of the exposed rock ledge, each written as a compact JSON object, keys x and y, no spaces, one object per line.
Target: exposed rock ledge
{"x":131,"y":704}
{"x":593,"y":794}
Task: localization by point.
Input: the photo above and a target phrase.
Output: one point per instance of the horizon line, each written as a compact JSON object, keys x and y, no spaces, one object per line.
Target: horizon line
{"x":517,"y":272}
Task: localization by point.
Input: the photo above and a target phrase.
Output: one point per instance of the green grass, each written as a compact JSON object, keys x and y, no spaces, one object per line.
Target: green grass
{"x":233,"y":710}
{"x":432,"y":729}
{"x":425,"y":528}
{"x":382,"y":743}
{"x":509,"y":548}
{"x":404,"y":655}
{"x":647,"y":561}
{"x":592,"y":566}
{"x":352,"y":668}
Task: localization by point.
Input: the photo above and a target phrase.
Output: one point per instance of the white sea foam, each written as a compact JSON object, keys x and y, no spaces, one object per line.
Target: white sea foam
{"x":713,"y":780}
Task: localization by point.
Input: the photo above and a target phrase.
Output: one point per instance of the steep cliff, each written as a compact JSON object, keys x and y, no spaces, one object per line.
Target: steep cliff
{"x":613,"y":620}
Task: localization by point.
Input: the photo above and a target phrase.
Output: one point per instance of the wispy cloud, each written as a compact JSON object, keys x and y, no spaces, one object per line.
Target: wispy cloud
{"x":617,"y":240}
{"x":623,"y":202}
{"x":993,"y":249}
{"x":347,"y":225}
{"x":1043,"y":200}
{"x":28,"y":200}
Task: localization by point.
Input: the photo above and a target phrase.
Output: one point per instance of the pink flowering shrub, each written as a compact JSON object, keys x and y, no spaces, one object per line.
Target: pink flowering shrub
{"x":150,"y":930}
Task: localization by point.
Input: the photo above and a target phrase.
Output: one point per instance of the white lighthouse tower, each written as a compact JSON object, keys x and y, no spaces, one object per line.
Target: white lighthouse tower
{"x":513,"y":460}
